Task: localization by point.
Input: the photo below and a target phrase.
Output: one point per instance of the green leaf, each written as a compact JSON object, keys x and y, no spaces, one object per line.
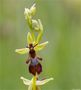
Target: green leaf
{"x":22,"y":51}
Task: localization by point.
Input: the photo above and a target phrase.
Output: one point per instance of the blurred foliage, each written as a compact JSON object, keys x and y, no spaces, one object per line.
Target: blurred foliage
{"x":62,"y":56}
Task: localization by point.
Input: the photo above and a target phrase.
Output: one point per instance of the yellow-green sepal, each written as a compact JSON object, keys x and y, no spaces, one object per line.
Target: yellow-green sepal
{"x":41,"y":46}
{"x":22,"y":51}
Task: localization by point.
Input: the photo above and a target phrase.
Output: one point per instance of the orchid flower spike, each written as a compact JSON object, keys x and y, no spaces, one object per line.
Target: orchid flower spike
{"x":35,"y":26}
{"x":34,"y":83}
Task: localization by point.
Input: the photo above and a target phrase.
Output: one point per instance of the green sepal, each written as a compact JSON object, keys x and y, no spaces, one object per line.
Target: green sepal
{"x":22,"y":51}
{"x":41,"y":46}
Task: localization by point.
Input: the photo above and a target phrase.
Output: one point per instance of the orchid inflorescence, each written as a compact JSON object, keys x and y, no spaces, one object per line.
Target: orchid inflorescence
{"x":33,"y":46}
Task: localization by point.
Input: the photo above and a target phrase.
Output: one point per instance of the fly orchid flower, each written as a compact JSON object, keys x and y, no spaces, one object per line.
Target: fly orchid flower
{"x":30,"y":40}
{"x":34,"y":83}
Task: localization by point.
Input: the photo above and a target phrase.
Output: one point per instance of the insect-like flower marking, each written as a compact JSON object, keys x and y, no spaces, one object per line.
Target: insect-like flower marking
{"x":31,"y":49}
{"x":35,"y":66}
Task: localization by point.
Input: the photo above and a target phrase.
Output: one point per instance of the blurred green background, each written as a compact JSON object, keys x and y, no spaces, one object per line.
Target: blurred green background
{"x":62,"y":56}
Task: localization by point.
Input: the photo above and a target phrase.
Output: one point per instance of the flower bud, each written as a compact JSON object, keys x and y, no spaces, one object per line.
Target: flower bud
{"x":30,"y":12}
{"x":35,"y":25}
{"x":27,"y":13}
{"x":33,"y":10}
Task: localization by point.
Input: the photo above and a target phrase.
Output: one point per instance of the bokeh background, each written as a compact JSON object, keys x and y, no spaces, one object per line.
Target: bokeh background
{"x":62,"y":56}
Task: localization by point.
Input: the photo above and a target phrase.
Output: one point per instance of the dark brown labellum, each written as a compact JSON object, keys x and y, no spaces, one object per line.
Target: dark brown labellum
{"x":33,"y":69}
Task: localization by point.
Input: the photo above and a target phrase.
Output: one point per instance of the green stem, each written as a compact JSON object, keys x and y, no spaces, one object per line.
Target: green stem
{"x":34,"y":83}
